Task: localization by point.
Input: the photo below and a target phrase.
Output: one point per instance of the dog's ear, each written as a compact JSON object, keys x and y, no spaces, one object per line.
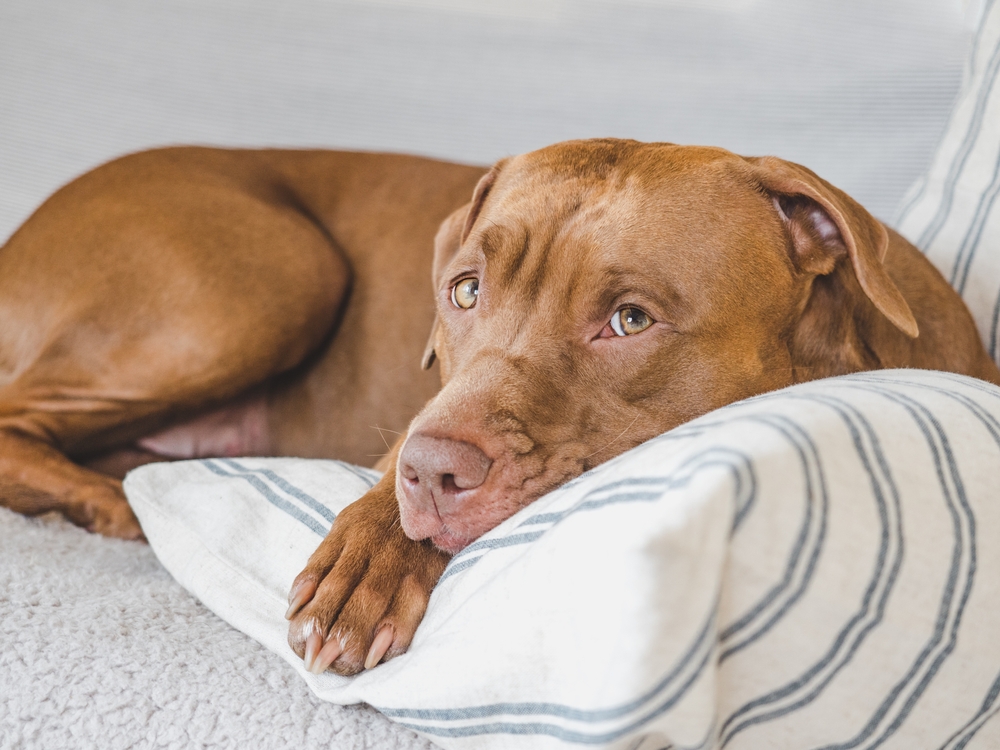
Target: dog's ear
{"x":482,"y":190}
{"x":826,"y":224}
{"x":453,"y":232}
{"x":446,"y":243}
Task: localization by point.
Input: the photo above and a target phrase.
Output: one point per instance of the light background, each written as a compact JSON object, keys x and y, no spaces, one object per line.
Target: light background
{"x":857,"y":90}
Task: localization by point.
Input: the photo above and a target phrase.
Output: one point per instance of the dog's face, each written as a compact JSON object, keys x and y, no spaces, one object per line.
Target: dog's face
{"x":595,"y":294}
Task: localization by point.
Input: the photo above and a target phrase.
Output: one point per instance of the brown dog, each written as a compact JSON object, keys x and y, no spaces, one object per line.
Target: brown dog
{"x":592,"y":295}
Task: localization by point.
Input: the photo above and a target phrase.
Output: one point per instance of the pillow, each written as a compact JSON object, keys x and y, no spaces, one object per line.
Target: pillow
{"x":819,"y":566}
{"x":952,"y":213}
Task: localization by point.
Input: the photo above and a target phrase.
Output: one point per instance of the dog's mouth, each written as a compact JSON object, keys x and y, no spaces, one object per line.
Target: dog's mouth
{"x":453,"y":491}
{"x":452,"y":520}
{"x":418,"y":523}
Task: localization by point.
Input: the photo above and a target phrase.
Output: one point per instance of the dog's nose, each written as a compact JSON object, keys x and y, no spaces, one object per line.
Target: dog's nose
{"x":437,"y":471}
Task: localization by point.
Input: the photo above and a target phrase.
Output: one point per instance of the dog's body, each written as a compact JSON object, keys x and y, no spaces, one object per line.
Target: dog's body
{"x":179,"y":281}
{"x":191,"y":302}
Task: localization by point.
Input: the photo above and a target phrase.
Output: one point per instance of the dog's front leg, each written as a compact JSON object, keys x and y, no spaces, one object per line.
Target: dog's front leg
{"x":365,"y":589}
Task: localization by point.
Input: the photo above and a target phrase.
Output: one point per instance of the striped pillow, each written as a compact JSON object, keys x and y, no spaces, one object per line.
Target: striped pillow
{"x":952,"y":213}
{"x":814,"y":567}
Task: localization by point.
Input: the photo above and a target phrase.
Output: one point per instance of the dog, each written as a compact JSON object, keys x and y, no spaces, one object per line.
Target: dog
{"x":195,"y":302}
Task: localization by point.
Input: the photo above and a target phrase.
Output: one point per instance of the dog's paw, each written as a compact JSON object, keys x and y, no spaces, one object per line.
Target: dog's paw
{"x":102,"y":509}
{"x":364,"y":591}
{"x":116,"y":521}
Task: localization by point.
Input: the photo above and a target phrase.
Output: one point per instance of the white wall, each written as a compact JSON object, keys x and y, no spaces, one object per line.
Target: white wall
{"x":857,"y":90}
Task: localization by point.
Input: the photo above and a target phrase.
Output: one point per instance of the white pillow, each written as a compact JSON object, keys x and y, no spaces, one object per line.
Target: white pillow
{"x":952,"y":213}
{"x":818,"y":566}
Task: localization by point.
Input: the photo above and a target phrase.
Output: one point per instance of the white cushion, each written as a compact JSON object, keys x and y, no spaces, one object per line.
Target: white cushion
{"x":952,"y":213}
{"x":814,"y":566}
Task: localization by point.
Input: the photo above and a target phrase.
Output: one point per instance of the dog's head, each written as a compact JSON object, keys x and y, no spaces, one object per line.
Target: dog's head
{"x":596,"y":293}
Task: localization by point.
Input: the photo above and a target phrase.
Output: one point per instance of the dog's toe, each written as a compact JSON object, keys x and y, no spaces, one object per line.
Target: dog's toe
{"x":364,"y":591}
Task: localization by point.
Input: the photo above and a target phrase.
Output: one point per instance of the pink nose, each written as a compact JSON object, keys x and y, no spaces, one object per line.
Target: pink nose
{"x":438,"y":472}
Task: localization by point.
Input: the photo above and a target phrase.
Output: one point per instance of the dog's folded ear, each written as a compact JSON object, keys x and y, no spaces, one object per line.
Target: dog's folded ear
{"x":482,"y":190}
{"x":825,"y":225}
{"x":453,"y":232}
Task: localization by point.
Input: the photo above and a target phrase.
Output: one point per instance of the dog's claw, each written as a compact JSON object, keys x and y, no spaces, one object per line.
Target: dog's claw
{"x":302,"y":592}
{"x":379,"y":646}
{"x":313,"y":645}
{"x":369,"y":586}
{"x":328,"y":655}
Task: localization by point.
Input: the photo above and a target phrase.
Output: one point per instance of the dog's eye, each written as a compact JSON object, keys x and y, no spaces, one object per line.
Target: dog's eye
{"x":465,"y":293}
{"x":629,"y":320}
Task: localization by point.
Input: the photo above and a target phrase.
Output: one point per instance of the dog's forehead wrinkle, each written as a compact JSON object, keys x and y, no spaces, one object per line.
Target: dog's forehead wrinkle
{"x":566,"y":262}
{"x":523,"y":268}
{"x":515,"y":263}
{"x":598,"y":245}
{"x":555,"y":214}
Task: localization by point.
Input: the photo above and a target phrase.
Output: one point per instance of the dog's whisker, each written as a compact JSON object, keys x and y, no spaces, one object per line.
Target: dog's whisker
{"x":620,"y":435}
{"x":375,"y":426}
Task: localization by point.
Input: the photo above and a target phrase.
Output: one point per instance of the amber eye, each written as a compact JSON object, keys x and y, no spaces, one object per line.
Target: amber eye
{"x":629,"y":320}
{"x":465,"y":293}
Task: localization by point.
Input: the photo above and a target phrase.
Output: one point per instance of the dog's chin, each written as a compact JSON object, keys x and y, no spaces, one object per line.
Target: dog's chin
{"x":450,"y":543}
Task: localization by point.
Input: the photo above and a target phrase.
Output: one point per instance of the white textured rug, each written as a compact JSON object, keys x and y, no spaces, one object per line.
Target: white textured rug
{"x":100,"y":648}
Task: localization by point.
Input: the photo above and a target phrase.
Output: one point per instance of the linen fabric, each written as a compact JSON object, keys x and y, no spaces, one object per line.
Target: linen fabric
{"x":815,"y":567}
